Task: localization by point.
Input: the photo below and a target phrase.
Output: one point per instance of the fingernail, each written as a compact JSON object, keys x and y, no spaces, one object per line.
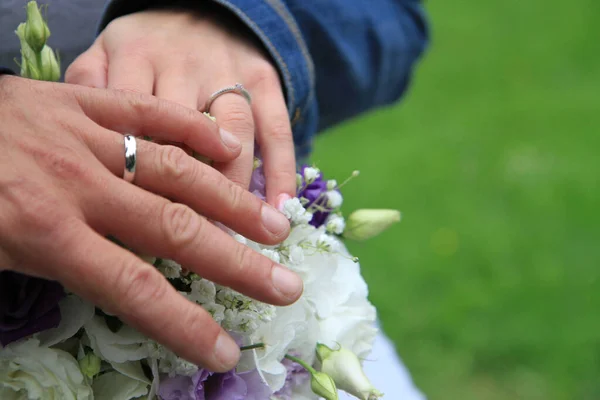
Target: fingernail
{"x":273,"y":220}
{"x":229,"y":139}
{"x":286,"y":282}
{"x":281,"y":199}
{"x":227,"y":351}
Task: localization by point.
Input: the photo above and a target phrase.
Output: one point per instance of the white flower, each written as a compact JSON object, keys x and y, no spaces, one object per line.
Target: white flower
{"x":295,"y":255}
{"x":334,"y":199}
{"x":203,"y":292}
{"x":126,"y":382}
{"x":74,"y":312}
{"x":272,"y":254}
{"x":217,"y":311}
{"x":346,"y":371}
{"x":295,"y":212}
{"x":294,"y":328}
{"x":310,"y":174}
{"x":28,"y":371}
{"x":327,"y":243}
{"x":125,"y":345}
{"x":170,"y":269}
{"x":335,"y":224}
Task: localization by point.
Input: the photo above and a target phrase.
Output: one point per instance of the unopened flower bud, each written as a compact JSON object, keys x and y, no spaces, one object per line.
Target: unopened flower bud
{"x":345,"y":369}
{"x":322,"y":385}
{"x":29,"y":69}
{"x":36,"y":29}
{"x":50,"y":68}
{"x":331,"y":184}
{"x":90,"y":365}
{"x":365,"y":224}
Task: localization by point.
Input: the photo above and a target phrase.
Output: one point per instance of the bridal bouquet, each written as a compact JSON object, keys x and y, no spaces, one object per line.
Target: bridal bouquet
{"x":55,"y":345}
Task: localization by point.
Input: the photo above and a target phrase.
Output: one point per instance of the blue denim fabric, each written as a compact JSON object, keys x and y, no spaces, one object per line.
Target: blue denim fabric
{"x":337,"y":58}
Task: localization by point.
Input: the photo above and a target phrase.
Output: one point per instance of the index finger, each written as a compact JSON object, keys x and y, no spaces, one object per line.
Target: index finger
{"x":141,"y":114}
{"x":124,"y":285}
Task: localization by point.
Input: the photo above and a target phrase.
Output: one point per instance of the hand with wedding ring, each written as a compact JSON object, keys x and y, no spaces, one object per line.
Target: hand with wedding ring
{"x":194,"y":59}
{"x":62,"y":192}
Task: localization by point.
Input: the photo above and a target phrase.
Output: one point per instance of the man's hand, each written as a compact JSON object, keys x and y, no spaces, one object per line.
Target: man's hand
{"x":184,"y":58}
{"x":62,"y":193}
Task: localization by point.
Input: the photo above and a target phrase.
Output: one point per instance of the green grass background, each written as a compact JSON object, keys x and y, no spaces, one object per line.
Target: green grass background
{"x":490,"y":285}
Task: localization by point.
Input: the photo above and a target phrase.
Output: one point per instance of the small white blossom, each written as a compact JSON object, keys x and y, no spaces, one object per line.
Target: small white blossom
{"x":327,"y":243}
{"x":310,"y":174}
{"x":203,"y":292}
{"x":331,"y":184}
{"x":334,"y":199}
{"x":335,"y":224}
{"x":272,"y":254}
{"x":217,"y":311}
{"x":296,"y":255}
{"x":294,"y":211}
{"x":170,"y":269}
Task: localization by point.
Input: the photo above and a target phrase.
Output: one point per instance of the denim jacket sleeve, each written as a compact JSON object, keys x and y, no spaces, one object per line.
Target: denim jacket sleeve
{"x":337,"y":58}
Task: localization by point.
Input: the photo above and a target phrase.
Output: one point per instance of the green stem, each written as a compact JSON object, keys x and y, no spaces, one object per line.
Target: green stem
{"x":253,"y":346}
{"x":302,"y":363}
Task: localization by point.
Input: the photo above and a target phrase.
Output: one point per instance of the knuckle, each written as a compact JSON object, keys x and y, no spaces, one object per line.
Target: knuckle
{"x":281,"y":131}
{"x":139,"y":104}
{"x":176,"y":166}
{"x":238,"y":116}
{"x":265,"y":74}
{"x":235,"y":197}
{"x":181,"y":225}
{"x":76,"y":72}
{"x":66,"y":165}
{"x":192,"y":61}
{"x":138,"y":285}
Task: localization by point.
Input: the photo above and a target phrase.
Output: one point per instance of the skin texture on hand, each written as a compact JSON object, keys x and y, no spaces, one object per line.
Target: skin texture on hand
{"x":184,"y":57}
{"x":62,"y":194}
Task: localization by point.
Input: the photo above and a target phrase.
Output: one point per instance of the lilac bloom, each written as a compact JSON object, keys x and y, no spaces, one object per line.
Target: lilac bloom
{"x":205,"y":385}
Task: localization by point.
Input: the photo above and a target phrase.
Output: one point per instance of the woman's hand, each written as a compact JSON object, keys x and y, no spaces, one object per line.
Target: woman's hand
{"x":183,"y":57}
{"x":62,"y":193}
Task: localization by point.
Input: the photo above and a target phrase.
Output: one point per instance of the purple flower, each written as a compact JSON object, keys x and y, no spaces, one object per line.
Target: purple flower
{"x":258,"y":183}
{"x":27,"y":305}
{"x":315,"y":194}
{"x":206,"y":385}
{"x":296,"y":376}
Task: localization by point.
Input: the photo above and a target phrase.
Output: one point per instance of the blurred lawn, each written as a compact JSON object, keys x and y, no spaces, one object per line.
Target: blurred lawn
{"x":490,"y":285}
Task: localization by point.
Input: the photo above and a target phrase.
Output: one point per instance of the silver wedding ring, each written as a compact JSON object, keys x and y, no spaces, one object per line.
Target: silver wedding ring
{"x":238,"y":88}
{"x":130,"y":158}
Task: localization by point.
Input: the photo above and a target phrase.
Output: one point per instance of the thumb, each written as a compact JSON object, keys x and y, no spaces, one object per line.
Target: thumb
{"x":90,"y":68}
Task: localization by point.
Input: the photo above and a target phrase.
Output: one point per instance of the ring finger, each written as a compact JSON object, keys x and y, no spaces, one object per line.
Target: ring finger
{"x":233,"y":113}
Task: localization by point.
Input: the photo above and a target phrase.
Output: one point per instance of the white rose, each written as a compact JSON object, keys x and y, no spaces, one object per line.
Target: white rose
{"x":28,"y":371}
{"x":126,"y":382}
{"x":125,"y":345}
{"x":74,"y":312}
